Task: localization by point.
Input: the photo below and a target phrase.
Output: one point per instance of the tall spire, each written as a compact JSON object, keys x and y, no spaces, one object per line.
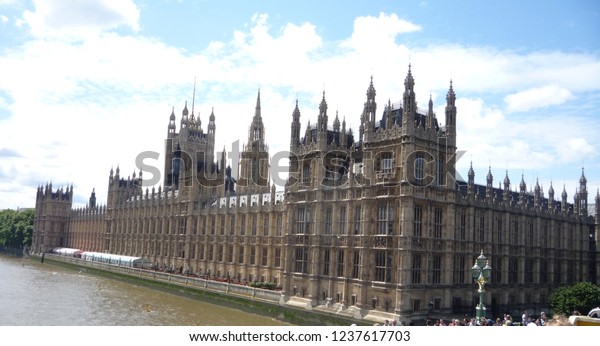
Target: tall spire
{"x":257,"y":113}
{"x":194,"y":96}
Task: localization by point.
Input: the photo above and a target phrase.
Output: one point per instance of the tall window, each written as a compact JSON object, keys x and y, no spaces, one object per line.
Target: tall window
{"x":211,"y":249}
{"x":383,"y":266}
{"x":252,"y":255}
{"x":306,"y":174}
{"x":342,"y":224}
{"x":326,"y":262}
{"x":340,"y":263}
{"x":241,"y":255}
{"x":301,"y":260}
{"x":303,"y":220}
{"x":220,"y":253}
{"x":481,"y":229}
{"x":513,"y":271}
{"x":545,"y":235}
{"x":497,"y":271}
{"x":222,"y":225}
{"x":357,"y":217}
{"x":437,"y":223}
{"x":418,"y":221}
{"x":529,"y":239}
{"x":277,"y":263}
{"x":416,"y":269}
{"x":230,"y":254}
{"x":355,"y":264}
{"x":419,"y":168}
{"x":265,"y":256}
{"x":232,"y":224}
{"x":212,"y":224}
{"x":499,"y":228}
{"x":436,"y":269}
{"x":242,"y":224}
{"x":279,"y":226}
{"x":385,"y":219}
{"x":459,"y":269}
{"x":462,"y":225}
{"x":529,"y":270}
{"x":514,"y":233}
{"x":254,"y":224}
{"x":266,"y":225}
{"x":544,"y":272}
{"x":328,"y":220}
{"x":439,"y":170}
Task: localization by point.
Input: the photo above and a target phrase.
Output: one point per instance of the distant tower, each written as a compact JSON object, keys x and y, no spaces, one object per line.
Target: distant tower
{"x":51,"y":219}
{"x":92,"y":203}
{"x":254,"y":167}
{"x":583,"y":194}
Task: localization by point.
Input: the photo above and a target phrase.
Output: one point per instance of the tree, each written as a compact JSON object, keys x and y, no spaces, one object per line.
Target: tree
{"x":16,"y":227}
{"x":582,"y":296}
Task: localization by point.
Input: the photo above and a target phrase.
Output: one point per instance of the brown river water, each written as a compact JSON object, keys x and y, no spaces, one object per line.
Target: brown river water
{"x":38,"y":294}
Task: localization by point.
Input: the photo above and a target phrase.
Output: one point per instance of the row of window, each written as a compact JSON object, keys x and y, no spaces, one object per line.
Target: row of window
{"x":207,"y":225}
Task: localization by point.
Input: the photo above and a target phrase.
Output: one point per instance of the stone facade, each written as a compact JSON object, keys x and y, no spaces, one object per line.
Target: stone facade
{"x":374,"y":226}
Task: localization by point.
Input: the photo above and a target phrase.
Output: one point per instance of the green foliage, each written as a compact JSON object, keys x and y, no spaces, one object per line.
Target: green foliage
{"x":259,"y":284}
{"x":582,"y":296}
{"x":16,"y":228}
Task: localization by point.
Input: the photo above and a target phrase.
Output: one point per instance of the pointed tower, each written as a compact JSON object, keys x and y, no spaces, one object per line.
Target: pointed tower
{"x":295,"y":135}
{"x":370,"y":108}
{"x":489,"y":189}
{"x":184,"y":117}
{"x":172,"y":126}
{"x":537,"y":195}
{"x":409,"y":104}
{"x":92,"y":202}
{"x":471,"y":182}
{"x":551,"y":204}
{"x":583,"y":194}
{"x":506,"y":194}
{"x":563,"y":201}
{"x":254,"y":166}
{"x":451,"y":116}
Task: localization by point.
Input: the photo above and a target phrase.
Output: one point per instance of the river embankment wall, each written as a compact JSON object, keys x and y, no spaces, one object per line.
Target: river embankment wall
{"x":252,"y":299}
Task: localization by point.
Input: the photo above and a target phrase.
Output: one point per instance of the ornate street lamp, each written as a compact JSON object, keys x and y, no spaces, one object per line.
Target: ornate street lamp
{"x":481,"y":274}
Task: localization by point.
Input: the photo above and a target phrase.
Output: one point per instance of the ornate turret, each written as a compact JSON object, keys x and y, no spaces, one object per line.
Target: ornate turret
{"x":506,"y":194}
{"x":489,"y":189}
{"x":583,"y":194}
{"x":537,"y":195}
{"x":295,"y":136}
{"x":564,"y":199}
{"x":451,"y":115}
{"x":322,"y":118}
{"x":184,"y":116}
{"x":409,"y":103}
{"x":471,"y":182}
{"x":551,"y":204}
{"x":92,"y":202}
{"x":172,"y":126}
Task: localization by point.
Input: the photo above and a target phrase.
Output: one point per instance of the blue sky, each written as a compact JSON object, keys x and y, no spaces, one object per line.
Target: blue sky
{"x":88,"y":85}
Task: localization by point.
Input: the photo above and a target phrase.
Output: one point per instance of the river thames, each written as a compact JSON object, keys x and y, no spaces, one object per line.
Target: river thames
{"x":37,"y":294}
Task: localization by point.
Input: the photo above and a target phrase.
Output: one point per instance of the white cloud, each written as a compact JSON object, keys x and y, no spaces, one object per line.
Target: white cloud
{"x":67,"y":19}
{"x":549,"y":95}
{"x":3,"y":19}
{"x":370,"y":32}
{"x":98,"y":102}
{"x":576,"y":150}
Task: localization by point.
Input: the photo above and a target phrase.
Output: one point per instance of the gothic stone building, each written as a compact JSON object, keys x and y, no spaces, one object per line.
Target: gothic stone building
{"x":371,"y":226}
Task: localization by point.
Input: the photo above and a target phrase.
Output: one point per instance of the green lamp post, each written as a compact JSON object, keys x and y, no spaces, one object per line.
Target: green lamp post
{"x":481,"y":274}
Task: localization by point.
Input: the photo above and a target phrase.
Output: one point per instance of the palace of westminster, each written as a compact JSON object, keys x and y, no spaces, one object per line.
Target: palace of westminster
{"x":373,"y":225}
